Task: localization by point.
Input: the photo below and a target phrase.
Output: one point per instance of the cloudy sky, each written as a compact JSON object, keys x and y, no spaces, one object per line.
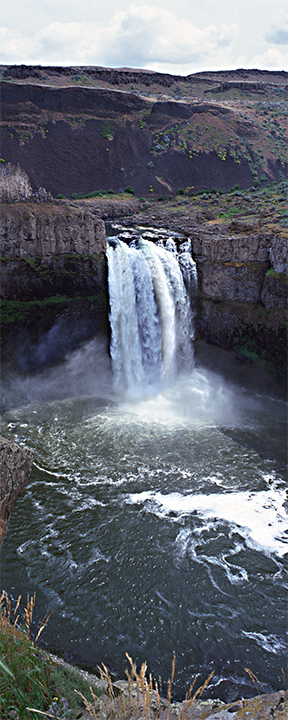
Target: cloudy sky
{"x":177,"y":36}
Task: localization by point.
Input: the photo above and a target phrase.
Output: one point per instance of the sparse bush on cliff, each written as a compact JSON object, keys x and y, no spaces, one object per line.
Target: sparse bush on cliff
{"x":128,"y":189}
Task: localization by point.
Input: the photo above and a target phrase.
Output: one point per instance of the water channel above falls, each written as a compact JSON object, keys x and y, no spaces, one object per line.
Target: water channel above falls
{"x":155,"y":517}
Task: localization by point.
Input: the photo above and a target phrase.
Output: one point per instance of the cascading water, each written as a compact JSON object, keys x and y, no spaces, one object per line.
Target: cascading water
{"x":152,"y":292}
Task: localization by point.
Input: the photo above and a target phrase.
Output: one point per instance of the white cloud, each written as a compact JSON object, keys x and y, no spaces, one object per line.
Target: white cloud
{"x":279,"y":35}
{"x":138,"y":36}
{"x":14,"y":44}
{"x":148,"y":36}
{"x":272,"y":58}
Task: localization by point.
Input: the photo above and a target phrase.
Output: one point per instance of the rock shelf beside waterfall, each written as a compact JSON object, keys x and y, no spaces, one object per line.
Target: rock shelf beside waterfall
{"x":16,"y":464}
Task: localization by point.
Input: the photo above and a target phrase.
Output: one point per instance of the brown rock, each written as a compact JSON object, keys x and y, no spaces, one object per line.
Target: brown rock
{"x":16,"y":463}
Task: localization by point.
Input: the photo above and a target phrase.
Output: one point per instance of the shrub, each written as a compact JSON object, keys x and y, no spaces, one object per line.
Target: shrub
{"x":110,"y":192}
{"x":180,"y":191}
{"x":106,"y":130}
{"x":160,"y":198}
{"x":128,"y":189}
{"x":59,"y":196}
{"x":93,"y":194}
{"x":78,"y":196}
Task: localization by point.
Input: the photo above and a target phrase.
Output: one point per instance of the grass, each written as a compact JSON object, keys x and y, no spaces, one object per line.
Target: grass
{"x":32,"y":686}
{"x":139,"y":697}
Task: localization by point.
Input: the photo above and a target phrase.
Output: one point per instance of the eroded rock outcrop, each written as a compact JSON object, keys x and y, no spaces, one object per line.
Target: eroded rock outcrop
{"x":16,"y":464}
{"x":14,"y":183}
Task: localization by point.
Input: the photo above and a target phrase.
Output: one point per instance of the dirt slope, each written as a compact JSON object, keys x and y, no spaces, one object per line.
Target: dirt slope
{"x":85,"y":129}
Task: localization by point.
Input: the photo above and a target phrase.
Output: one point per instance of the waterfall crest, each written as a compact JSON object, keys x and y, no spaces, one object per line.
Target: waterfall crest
{"x":152,"y":291}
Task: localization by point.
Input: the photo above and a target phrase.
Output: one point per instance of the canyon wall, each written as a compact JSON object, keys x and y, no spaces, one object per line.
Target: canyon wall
{"x":50,"y":249}
{"x":53,"y":280}
{"x":243,"y":287}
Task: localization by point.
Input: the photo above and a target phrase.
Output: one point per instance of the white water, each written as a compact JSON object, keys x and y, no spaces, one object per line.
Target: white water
{"x":150,"y":314}
{"x":260,"y":517}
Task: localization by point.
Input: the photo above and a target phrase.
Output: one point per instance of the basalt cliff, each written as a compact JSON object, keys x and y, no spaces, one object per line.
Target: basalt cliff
{"x":54,"y":275}
{"x":206,"y":155}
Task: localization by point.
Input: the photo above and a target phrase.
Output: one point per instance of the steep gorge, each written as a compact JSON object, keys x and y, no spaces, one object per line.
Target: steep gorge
{"x":54,"y":268}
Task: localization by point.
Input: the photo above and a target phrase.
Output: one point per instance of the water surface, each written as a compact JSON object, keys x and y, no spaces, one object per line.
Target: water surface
{"x":153,"y":525}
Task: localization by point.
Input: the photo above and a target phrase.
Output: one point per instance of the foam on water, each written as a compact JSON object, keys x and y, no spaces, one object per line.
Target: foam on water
{"x":271,"y":643}
{"x":260,"y":517}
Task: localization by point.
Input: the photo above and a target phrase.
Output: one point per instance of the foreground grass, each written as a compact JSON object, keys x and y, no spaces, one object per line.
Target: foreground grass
{"x":31,"y":685}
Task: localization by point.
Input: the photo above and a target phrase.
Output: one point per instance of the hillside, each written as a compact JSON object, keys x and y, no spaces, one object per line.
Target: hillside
{"x":87,"y":129}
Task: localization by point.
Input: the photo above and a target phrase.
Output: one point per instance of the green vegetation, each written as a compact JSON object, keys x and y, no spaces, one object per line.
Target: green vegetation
{"x":16,"y":312}
{"x":33,"y":685}
{"x":128,"y":189}
{"x":107,"y":130}
{"x":29,"y":679}
{"x":281,"y":277}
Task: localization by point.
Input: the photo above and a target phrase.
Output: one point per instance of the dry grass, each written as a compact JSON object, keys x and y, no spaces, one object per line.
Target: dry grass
{"x":139,"y":696}
{"x":13,"y":617}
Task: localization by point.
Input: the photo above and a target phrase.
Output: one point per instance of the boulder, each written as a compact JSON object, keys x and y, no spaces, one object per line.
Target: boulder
{"x":16,"y":464}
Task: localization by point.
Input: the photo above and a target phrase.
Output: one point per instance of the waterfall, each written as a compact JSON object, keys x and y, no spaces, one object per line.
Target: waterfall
{"x":152,"y":292}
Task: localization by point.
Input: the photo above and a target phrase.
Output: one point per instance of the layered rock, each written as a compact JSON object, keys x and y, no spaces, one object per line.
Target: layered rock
{"x":53,"y":270}
{"x":31,"y":231}
{"x":242,"y":281}
{"x":51,"y":249}
{"x":243,"y":294}
{"x":16,"y":464}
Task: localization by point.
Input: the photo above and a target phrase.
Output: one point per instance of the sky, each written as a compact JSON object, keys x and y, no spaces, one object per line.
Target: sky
{"x":174,"y":36}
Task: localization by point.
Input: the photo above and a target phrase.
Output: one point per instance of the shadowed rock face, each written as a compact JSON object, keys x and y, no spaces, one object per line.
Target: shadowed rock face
{"x":16,"y":463}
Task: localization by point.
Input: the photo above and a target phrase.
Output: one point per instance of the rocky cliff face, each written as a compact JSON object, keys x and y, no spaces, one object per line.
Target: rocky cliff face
{"x":16,"y":464}
{"x":33,"y":230}
{"x":243,"y":267}
{"x":14,"y":183}
{"x":51,"y":249}
{"x":53,"y":270}
{"x":243,"y":295}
